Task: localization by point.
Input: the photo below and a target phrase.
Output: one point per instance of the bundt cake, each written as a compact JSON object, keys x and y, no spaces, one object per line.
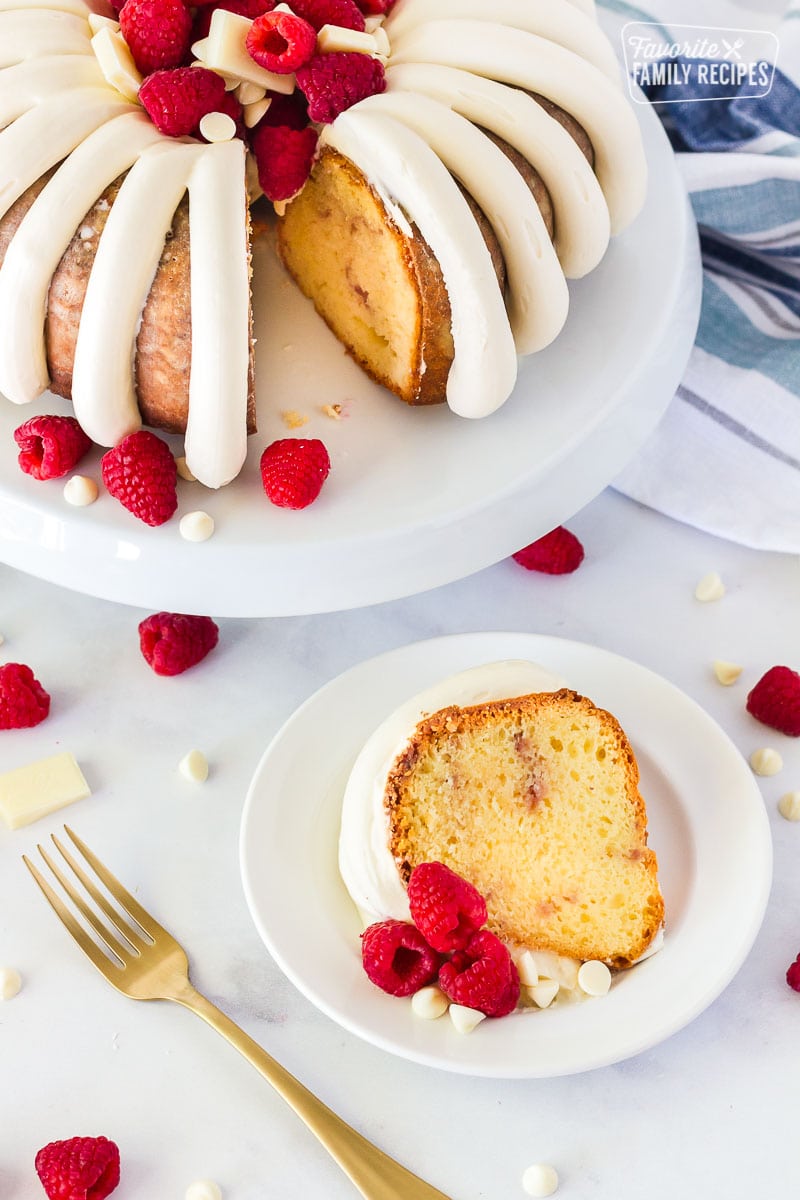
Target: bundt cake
{"x":491,"y":158}
{"x":532,"y":798}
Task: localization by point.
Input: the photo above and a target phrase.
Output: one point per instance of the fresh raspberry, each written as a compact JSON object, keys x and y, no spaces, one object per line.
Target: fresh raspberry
{"x":49,"y":447}
{"x":375,"y":8}
{"x":334,"y":82}
{"x":793,"y":975}
{"x":293,"y":471}
{"x":775,"y":700}
{"x":23,"y":700}
{"x":482,"y":976}
{"x":557,"y":553}
{"x":283,"y":157}
{"x":141,"y":473}
{"x":281,"y":42}
{"x":81,"y":1168}
{"x":397,"y":958}
{"x":291,"y":111}
{"x":172,"y":642}
{"x":176,"y":101}
{"x":329,"y":12}
{"x":158,"y":32}
{"x":243,"y":8}
{"x":444,"y":907}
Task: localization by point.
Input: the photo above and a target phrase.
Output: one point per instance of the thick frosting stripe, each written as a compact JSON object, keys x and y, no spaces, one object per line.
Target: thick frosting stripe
{"x":43,"y":237}
{"x":535,"y":64}
{"x":77,"y":7}
{"x":557,"y":20}
{"x":38,"y":31}
{"x":35,"y":79}
{"x":580,"y":211}
{"x":538,"y":299}
{"x":216,"y":434}
{"x":103,"y":387}
{"x":40,"y":138}
{"x":484,"y":367}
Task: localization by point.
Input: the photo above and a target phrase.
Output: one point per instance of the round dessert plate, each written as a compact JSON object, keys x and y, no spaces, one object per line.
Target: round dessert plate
{"x":706,"y":821}
{"x":416,"y":497}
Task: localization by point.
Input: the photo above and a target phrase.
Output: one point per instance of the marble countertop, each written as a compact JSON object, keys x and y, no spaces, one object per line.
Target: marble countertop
{"x":710,"y":1112}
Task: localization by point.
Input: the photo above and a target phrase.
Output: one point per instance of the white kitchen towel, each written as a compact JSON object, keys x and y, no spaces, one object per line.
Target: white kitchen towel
{"x":726,"y":456}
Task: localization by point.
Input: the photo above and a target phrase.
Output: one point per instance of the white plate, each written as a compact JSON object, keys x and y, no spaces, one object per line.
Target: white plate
{"x":416,"y":497}
{"x":707,"y":825}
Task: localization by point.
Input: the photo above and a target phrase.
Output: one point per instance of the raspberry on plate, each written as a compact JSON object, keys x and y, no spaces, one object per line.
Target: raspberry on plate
{"x":23,"y":700}
{"x":283,"y":156}
{"x":775,"y":700}
{"x":293,"y":471}
{"x":176,"y":101}
{"x":281,"y":42}
{"x":482,"y":976}
{"x":158,"y":32}
{"x":80,"y":1168}
{"x":445,"y":908}
{"x":397,"y":958}
{"x":334,"y":82}
{"x":173,"y":642}
{"x":50,"y":446}
{"x":141,"y":473}
{"x":559,"y":552}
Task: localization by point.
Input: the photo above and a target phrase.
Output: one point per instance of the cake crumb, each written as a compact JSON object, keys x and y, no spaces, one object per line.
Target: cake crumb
{"x":293,"y":419}
{"x":335,"y":411}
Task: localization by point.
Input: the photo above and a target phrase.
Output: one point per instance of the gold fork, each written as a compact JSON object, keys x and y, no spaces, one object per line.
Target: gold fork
{"x":146,"y":963}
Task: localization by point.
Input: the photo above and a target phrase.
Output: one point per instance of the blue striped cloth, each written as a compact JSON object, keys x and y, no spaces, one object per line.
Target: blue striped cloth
{"x":726,"y":457}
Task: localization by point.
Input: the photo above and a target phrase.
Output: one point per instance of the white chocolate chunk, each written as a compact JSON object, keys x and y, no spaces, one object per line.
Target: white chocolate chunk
{"x":373,"y":23}
{"x":183,"y":469}
{"x":332,"y":39}
{"x":465,"y":1019}
{"x":226,"y":51}
{"x":204,"y":1189}
{"x":766,"y":761}
{"x":540,"y":1180}
{"x":789,"y":806}
{"x":194,"y":766}
{"x":217,"y":127}
{"x":527,"y":969}
{"x":383,"y":49}
{"x":709,"y":588}
{"x":116,"y":62}
{"x":544,"y":993}
{"x":40,"y":788}
{"x":10,"y":983}
{"x":429,"y":1003}
{"x":250,"y":93}
{"x":254,"y":112}
{"x":196,"y":526}
{"x":80,"y":490}
{"x":726,"y":672}
{"x":200,"y":49}
{"x":559,"y":967}
{"x":98,"y":22}
{"x":594,"y":978}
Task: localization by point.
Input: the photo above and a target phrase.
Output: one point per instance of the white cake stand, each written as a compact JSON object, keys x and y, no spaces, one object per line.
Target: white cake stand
{"x":416,"y":497}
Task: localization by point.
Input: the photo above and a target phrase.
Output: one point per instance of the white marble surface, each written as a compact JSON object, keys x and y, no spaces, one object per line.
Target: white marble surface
{"x":711,"y":1112}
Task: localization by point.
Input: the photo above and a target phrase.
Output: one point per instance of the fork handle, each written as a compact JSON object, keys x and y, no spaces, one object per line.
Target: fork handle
{"x":376,"y":1176}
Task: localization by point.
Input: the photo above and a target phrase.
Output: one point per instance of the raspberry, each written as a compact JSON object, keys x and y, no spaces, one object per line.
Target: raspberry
{"x":49,"y":447}
{"x":158,"y":32}
{"x":557,"y":553}
{"x":141,"y":473}
{"x":293,"y":471}
{"x":172,"y":642}
{"x":23,"y":700}
{"x":445,"y":908}
{"x":375,"y":8}
{"x":793,"y":975}
{"x":283,"y":157}
{"x":775,"y":700}
{"x":482,"y":976}
{"x":397,"y":958}
{"x":281,"y":42}
{"x":334,"y":82}
{"x":81,"y":1168}
{"x":176,"y":101}
{"x":329,"y":12}
{"x":291,"y":111}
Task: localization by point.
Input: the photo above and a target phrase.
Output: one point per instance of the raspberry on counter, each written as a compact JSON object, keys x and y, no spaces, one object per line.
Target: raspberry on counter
{"x":559,"y":552}
{"x":173,"y":642}
{"x":775,"y":700}
{"x":23,"y":701}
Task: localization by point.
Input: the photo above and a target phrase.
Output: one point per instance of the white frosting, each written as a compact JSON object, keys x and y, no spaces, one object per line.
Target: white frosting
{"x":29,"y":33}
{"x":365,"y":861}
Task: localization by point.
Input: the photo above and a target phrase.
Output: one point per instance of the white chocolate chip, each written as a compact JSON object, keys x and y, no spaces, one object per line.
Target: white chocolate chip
{"x":382,"y":47}
{"x":544,"y":993}
{"x":184,"y":471}
{"x":200,"y":50}
{"x":194,"y":766}
{"x":560,"y":967}
{"x":726,"y":672}
{"x":527,"y":969}
{"x":80,"y":490}
{"x":98,"y":22}
{"x":429,"y":1003}
{"x":465,"y":1019}
{"x":204,"y":1189}
{"x":373,"y":23}
{"x":709,"y":588}
{"x":196,"y":526}
{"x":789,"y":806}
{"x":766,"y":761}
{"x":217,"y":127}
{"x":252,"y":113}
{"x":540,"y":1180}
{"x":249,"y":93}
{"x":594,"y":978}
{"x":10,"y":983}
